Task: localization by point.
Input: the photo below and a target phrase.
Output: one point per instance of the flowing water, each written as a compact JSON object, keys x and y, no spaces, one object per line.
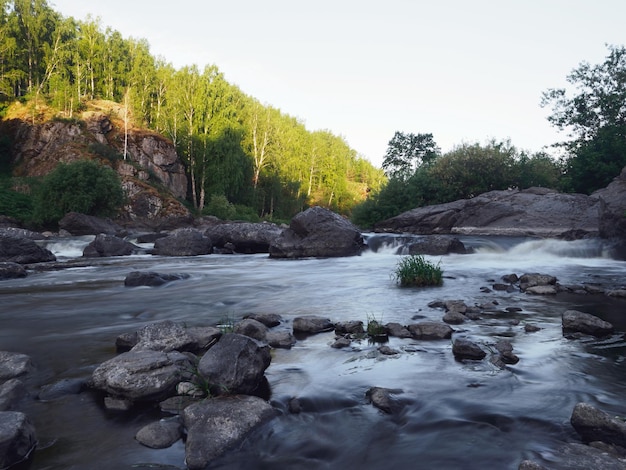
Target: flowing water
{"x":452,"y":415}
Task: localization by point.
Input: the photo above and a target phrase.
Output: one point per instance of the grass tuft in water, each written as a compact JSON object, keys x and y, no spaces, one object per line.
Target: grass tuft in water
{"x":415,"y":271}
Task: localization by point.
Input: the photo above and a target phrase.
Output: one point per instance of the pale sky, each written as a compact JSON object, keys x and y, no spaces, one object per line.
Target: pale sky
{"x":464,"y":70}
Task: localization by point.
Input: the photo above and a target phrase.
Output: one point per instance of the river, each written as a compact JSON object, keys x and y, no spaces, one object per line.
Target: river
{"x":454,"y":415}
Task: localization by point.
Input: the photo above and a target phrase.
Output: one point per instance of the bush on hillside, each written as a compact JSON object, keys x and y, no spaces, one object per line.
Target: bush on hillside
{"x":84,"y":186}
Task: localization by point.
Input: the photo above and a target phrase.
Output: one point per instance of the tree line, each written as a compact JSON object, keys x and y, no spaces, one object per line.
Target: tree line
{"x":593,"y":117}
{"x":233,"y":146}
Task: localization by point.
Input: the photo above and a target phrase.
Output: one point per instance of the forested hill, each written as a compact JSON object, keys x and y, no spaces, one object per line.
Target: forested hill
{"x":231,"y":144}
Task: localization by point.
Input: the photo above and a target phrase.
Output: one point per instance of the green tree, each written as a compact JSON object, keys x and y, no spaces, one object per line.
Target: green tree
{"x":595,"y":119}
{"x":407,"y":152}
{"x":84,"y":186}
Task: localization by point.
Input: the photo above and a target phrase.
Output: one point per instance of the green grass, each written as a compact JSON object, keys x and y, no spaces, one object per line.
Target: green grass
{"x":415,"y":271}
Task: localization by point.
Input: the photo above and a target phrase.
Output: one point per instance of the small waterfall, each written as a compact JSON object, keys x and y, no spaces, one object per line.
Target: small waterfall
{"x":67,"y":247}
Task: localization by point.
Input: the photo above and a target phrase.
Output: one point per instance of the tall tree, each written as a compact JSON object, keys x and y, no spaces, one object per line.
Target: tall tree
{"x":407,"y":152}
{"x":595,"y":119}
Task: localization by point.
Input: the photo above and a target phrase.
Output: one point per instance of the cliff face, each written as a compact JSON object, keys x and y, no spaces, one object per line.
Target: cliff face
{"x":98,"y":133}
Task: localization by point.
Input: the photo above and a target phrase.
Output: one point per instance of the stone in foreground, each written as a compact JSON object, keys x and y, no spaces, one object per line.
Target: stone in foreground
{"x":218,"y":424}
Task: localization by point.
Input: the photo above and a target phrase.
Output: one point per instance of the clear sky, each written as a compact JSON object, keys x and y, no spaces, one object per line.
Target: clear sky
{"x":465,"y":71}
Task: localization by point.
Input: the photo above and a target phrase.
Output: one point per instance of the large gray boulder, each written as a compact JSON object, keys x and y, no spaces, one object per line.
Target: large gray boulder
{"x":23,"y":251}
{"x":183,"y":242}
{"x":142,"y":375}
{"x":219,"y":424}
{"x":318,"y":232}
{"x":530,"y":212}
{"x":311,"y":324}
{"x":17,"y":438}
{"x":574,"y":321}
{"x":593,"y":425}
{"x":104,"y":246}
{"x":235,"y":365}
{"x":244,"y":237}
{"x":81,"y":224}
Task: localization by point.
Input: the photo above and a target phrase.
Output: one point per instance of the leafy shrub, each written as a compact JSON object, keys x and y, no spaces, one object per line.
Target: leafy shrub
{"x":220,"y":207}
{"x":246,"y":213}
{"x":415,"y":271}
{"x":84,"y":186}
{"x":15,"y":204}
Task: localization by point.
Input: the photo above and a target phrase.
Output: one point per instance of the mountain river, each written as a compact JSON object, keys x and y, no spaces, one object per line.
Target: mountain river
{"x":453,"y":415}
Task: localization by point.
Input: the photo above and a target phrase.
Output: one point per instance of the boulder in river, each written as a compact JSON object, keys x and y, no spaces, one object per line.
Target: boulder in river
{"x":183,"y":242}
{"x":244,"y":237}
{"x":109,"y":245}
{"x":17,"y":438}
{"x":585,"y":323}
{"x":235,"y":365}
{"x":320,"y":233}
{"x":218,"y":424}
{"x":593,"y":425}
{"x":77,"y":224}
{"x":311,"y":324}
{"x":437,"y":245}
{"x":14,"y":365}
{"x":428,"y":330}
{"x":11,"y":270}
{"x":465,"y":349}
{"x":142,"y":375}
{"x":23,"y":251}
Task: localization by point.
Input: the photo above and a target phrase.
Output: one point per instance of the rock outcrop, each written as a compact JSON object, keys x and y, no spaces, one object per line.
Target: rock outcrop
{"x":530,"y":212}
{"x":318,"y":232}
{"x":98,"y":133}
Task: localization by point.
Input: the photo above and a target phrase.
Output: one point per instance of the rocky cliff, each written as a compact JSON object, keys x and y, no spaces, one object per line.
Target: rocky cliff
{"x":152,"y":174}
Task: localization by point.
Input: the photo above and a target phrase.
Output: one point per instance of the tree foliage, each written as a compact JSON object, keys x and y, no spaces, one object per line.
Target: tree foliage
{"x":595,"y":119}
{"x":231,"y":144}
{"x":406,"y":152}
{"x":84,"y":186}
{"x":466,"y":171}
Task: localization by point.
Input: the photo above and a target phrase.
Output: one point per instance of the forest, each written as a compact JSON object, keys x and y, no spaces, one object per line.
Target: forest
{"x":252,"y":154}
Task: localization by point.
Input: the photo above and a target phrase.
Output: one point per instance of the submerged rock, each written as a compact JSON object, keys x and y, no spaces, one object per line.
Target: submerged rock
{"x":151,"y":278}
{"x":382,"y":398}
{"x":217,"y":425}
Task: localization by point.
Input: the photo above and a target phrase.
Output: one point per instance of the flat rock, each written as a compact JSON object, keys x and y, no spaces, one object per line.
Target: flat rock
{"x":14,"y":365}
{"x":141,"y":375}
